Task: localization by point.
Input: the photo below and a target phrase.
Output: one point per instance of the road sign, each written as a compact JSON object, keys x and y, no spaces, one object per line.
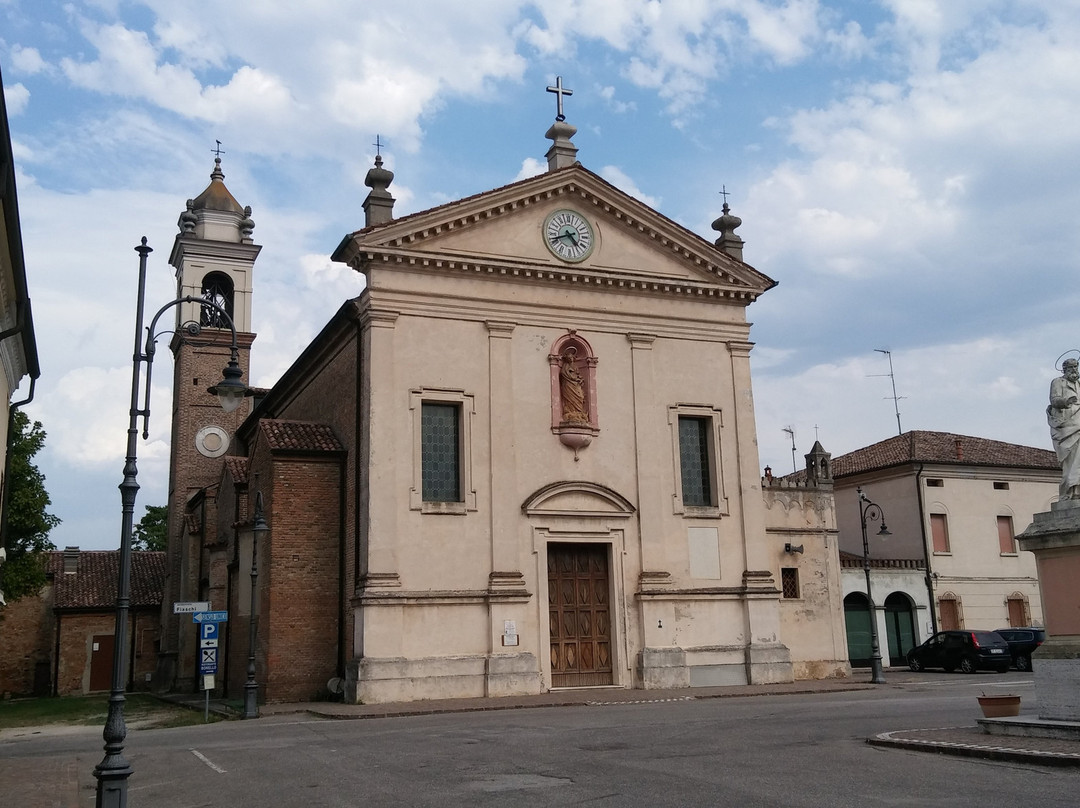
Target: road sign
{"x":210,"y":617}
{"x":190,"y":607}
{"x":208,"y":631}
{"x":208,"y":661}
{"x":208,"y":643}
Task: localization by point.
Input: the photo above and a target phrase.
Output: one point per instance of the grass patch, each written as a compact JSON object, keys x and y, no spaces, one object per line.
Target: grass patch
{"x":140,"y":711}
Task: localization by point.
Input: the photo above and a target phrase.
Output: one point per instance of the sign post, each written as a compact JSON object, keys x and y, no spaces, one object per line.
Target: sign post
{"x":208,"y":623}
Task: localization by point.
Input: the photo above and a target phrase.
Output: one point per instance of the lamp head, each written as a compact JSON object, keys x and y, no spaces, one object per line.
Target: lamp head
{"x":884,"y":530}
{"x":230,"y":390}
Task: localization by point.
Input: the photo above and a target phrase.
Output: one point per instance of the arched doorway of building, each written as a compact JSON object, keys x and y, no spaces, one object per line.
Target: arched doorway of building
{"x":857,"y":625}
{"x":900,"y":627}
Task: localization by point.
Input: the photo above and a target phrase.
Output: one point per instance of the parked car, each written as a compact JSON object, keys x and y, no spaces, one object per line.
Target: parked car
{"x":1022,"y":641}
{"x":967,"y":650}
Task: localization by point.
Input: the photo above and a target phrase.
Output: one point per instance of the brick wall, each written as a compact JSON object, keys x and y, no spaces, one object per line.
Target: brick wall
{"x":301,"y":598}
{"x":26,"y":632}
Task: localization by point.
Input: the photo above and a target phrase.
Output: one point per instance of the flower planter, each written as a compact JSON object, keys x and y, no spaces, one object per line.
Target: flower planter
{"x":1000,"y":706}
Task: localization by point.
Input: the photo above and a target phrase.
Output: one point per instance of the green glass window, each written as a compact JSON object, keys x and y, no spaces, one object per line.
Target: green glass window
{"x":694,"y":461}
{"x":440,"y":452}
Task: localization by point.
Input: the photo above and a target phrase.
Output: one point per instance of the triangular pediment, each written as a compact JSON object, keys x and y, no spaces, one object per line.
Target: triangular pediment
{"x":503,"y":230}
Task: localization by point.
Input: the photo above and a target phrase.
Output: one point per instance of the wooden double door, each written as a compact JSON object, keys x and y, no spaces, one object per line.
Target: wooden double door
{"x":579,"y":614}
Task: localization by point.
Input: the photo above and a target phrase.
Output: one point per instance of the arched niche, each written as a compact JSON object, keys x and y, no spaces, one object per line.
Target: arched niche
{"x":574,"y":412}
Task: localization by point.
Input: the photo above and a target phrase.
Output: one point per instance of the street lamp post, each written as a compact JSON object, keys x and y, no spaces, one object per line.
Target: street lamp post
{"x":259,"y":530}
{"x":113,"y":771}
{"x":872,"y":511}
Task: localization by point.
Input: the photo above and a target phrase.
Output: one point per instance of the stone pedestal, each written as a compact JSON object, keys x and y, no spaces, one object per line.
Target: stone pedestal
{"x":1054,"y":538}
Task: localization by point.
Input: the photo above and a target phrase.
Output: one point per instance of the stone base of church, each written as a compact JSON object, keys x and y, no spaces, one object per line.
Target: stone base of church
{"x":810,"y":670}
{"x":719,"y":666}
{"x":377,"y":681}
{"x":1056,"y":668}
{"x":512,"y":675}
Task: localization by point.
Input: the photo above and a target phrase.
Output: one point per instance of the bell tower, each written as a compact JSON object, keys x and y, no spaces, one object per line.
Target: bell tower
{"x":214,"y":256}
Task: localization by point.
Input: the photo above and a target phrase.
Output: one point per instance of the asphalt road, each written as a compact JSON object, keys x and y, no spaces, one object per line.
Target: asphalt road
{"x":794,"y":751}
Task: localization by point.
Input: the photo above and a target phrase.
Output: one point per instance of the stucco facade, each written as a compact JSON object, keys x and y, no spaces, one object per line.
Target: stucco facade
{"x":952,"y":504}
{"x":523,"y":458}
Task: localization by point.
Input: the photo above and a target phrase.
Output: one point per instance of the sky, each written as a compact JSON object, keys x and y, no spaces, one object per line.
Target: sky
{"x":907,"y":170}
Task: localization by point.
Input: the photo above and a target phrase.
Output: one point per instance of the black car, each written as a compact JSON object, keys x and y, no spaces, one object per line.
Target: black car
{"x":1022,"y":641}
{"x":967,"y":650}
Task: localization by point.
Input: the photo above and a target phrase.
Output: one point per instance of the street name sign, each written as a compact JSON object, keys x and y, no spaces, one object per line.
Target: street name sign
{"x":190,"y":607}
{"x":210,"y":617}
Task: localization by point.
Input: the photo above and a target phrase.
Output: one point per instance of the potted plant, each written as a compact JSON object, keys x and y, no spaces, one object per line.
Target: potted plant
{"x":999,"y":705}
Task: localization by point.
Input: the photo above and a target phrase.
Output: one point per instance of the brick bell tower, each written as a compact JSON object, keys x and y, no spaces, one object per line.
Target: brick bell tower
{"x":214,"y":256}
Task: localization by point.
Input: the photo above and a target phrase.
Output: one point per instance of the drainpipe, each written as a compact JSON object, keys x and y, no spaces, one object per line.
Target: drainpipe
{"x":926,"y":548}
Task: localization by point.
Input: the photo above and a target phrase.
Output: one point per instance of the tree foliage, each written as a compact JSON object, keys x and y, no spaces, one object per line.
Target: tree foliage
{"x":26,"y":511}
{"x":151,"y":532}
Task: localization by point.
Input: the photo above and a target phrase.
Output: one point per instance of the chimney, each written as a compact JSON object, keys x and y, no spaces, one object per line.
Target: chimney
{"x":959,"y":449}
{"x":71,"y":560}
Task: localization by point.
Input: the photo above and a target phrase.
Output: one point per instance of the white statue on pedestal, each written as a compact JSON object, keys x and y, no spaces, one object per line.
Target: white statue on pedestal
{"x":1063,"y":415}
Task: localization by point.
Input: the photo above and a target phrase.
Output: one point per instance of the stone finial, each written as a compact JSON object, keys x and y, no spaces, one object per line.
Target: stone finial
{"x":562,"y":152}
{"x":728,"y":241}
{"x":379,"y":205}
{"x":247,"y":224}
{"x":188,"y":218}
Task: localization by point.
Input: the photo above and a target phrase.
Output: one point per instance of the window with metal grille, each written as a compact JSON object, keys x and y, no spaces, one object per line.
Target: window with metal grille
{"x":217,"y":288}
{"x":694,"y":461}
{"x":789,"y":581}
{"x":440,"y":452}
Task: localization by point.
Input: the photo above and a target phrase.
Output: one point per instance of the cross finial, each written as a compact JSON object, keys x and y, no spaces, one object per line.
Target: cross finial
{"x":559,"y":91}
{"x":724,"y":193}
{"x":378,"y":145}
{"x":218,"y":151}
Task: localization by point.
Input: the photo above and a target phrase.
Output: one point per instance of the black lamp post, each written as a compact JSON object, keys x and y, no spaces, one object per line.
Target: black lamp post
{"x":872,"y":511}
{"x":113,"y":771}
{"x":259,"y":530}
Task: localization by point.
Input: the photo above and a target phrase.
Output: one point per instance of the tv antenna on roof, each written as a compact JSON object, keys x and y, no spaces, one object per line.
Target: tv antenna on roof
{"x":790,"y":430}
{"x":895,"y":398}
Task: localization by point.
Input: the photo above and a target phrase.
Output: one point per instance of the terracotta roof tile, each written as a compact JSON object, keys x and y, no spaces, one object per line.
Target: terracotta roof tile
{"x":944,"y":448}
{"x":237,"y":468}
{"x":299,"y":436}
{"x":94,"y":584}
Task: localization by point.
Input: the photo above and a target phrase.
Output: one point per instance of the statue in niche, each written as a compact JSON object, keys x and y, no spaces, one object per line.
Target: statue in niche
{"x":572,"y":389}
{"x":1063,"y":416}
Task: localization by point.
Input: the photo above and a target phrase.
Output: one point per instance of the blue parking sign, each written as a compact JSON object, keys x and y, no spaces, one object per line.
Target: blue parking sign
{"x":208,"y":631}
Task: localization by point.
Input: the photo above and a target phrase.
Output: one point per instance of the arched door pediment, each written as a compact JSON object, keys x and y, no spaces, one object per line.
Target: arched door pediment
{"x":577,"y":498}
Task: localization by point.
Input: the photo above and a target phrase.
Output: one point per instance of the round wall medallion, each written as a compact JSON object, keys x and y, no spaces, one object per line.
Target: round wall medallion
{"x":569,"y":235}
{"x":212,"y":441}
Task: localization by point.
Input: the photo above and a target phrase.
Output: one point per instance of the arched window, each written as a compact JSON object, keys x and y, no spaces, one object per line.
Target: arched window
{"x":217,"y":288}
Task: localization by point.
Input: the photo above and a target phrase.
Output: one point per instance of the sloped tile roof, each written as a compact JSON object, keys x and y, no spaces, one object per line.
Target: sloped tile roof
{"x":946,"y":448}
{"x":300,"y":436}
{"x":94,"y":584}
{"x":237,"y":467}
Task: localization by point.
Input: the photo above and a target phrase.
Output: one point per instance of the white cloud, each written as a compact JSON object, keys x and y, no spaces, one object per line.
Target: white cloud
{"x":530,"y":167}
{"x":621,"y":180}
{"x":16,"y":97}
{"x":27,"y":60}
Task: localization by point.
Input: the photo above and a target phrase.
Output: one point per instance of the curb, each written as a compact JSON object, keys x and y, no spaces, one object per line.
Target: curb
{"x":973,"y":750}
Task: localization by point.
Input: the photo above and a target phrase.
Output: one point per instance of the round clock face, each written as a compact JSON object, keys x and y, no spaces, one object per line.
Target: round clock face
{"x":212,"y":441}
{"x":569,"y":235}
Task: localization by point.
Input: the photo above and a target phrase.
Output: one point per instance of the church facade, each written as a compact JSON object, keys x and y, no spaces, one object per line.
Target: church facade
{"x":524,"y":458}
